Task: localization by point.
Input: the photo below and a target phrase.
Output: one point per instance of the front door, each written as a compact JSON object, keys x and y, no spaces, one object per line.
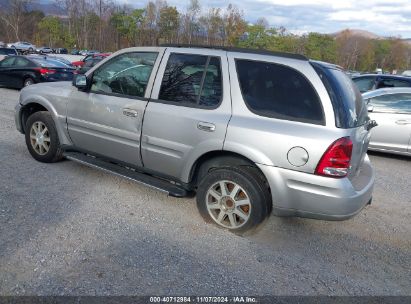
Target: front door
{"x":392,"y":112}
{"x":188,"y":112}
{"x":107,"y":119}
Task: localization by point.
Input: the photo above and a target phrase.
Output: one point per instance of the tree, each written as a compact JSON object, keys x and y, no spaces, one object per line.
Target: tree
{"x":12,"y":14}
{"x":168,"y":23}
{"x":51,"y":28}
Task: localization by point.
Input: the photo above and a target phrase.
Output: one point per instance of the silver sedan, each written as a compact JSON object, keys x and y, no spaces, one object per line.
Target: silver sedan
{"x":391,"y":109}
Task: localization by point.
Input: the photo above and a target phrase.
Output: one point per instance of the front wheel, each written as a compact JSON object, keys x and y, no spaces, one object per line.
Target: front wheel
{"x":42,"y":139}
{"x":235,"y":198}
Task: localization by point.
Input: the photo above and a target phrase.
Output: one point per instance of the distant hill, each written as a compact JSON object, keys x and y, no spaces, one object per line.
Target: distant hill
{"x":366,"y":34}
{"x":47,"y":6}
{"x":360,"y":33}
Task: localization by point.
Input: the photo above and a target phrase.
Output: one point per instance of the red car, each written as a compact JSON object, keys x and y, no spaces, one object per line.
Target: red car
{"x":90,"y":57}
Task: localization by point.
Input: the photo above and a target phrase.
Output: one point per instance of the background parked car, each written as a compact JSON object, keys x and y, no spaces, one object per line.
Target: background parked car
{"x":22,"y":46}
{"x":44,"y":50}
{"x":7,"y":52}
{"x":89,"y":64}
{"x":391,"y":109}
{"x":371,"y":82}
{"x":82,"y":62}
{"x":406,"y":73}
{"x":20,"y":71}
{"x":75,"y":52}
{"x":61,"y":51}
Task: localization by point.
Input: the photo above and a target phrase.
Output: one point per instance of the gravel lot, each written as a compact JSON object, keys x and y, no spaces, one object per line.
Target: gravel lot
{"x":66,"y":229}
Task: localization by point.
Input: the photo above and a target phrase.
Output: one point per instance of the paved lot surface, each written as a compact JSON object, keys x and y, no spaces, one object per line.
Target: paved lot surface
{"x":68,"y":229}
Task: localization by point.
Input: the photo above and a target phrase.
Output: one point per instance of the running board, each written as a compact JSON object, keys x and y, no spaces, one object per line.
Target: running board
{"x":141,"y":178}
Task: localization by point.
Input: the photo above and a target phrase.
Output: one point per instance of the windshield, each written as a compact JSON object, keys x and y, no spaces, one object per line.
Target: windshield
{"x":349,"y":107}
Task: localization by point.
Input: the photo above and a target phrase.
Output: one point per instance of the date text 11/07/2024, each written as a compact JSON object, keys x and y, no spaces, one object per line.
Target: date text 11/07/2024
{"x":202,"y":299}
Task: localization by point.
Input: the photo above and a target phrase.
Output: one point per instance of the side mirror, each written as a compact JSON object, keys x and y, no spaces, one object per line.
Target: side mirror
{"x":370,"y":108}
{"x":80,"y":82}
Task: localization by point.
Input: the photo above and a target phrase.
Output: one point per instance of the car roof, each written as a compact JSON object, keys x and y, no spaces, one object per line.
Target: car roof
{"x":239,"y":50}
{"x":386,"y":91}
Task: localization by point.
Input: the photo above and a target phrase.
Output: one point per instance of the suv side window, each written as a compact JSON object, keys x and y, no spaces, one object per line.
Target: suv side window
{"x":393,"y":103}
{"x":126,"y":74}
{"x":192,"y":80}
{"x":277,"y":91}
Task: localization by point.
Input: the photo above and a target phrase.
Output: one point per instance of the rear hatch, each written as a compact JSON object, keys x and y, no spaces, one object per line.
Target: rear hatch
{"x":350,"y":110}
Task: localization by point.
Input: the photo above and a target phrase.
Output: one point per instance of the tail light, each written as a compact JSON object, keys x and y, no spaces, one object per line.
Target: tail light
{"x":45,"y":71}
{"x":336,"y":160}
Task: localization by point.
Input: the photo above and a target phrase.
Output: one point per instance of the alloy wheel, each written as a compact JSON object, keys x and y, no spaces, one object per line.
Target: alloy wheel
{"x":228,"y":204}
{"x":40,"y":138}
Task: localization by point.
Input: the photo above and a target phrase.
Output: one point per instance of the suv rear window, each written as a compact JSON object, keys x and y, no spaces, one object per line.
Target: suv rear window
{"x":350,"y":110}
{"x":277,"y":91}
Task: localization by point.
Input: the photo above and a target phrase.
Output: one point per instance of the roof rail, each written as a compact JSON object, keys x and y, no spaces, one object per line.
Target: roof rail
{"x":239,"y":50}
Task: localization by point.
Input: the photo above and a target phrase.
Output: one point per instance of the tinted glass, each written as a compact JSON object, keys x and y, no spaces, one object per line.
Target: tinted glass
{"x":391,"y":83}
{"x":278,"y":91}
{"x":364,"y":84}
{"x":192,"y":80}
{"x":8,"y":62}
{"x":126,"y":74}
{"x":398,"y":103}
{"x":350,"y":110}
{"x":22,"y":62}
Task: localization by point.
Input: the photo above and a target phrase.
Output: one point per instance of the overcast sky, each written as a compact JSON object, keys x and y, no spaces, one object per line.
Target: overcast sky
{"x":383,"y":17}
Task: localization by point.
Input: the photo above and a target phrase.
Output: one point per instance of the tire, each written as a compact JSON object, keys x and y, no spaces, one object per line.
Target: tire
{"x":30,"y":50}
{"x":28,"y":81}
{"x":44,"y":148}
{"x":230,"y":210}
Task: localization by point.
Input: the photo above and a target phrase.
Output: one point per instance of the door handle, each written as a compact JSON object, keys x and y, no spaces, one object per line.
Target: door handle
{"x":130,"y":112}
{"x":403,"y":122}
{"x":206,"y":126}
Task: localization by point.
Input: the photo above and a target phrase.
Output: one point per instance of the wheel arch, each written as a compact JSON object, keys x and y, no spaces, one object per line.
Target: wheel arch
{"x":30,"y":108}
{"x":218,"y":159}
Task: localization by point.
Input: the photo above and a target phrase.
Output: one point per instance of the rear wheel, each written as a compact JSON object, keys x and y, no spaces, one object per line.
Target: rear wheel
{"x":233,"y":198}
{"x":42,"y":139}
{"x":28,"y":81}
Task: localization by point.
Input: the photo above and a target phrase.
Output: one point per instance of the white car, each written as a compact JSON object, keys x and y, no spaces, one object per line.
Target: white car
{"x":44,"y":50}
{"x":391,"y":109}
{"x":22,"y":46}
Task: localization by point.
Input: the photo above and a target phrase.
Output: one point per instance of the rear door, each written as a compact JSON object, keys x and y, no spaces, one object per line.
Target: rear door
{"x":188,"y":112}
{"x":393,"y":115}
{"x":107,"y":120}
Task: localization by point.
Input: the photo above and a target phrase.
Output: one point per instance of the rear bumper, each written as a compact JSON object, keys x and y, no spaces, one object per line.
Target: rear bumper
{"x":306,"y":195}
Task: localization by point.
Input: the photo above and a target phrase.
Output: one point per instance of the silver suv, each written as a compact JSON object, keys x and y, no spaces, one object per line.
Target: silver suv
{"x":249,"y":132}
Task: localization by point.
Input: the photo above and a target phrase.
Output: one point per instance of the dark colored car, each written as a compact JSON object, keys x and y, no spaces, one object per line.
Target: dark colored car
{"x":75,"y":52}
{"x":20,"y":71}
{"x":371,"y":82}
{"x":61,"y":51}
{"x":4,"y":52}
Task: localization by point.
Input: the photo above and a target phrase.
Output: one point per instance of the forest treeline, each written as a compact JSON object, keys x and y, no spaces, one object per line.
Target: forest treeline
{"x":107,"y":26}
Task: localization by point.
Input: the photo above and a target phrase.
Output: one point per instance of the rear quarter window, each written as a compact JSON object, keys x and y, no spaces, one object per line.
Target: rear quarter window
{"x":277,"y":91}
{"x":349,"y":107}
